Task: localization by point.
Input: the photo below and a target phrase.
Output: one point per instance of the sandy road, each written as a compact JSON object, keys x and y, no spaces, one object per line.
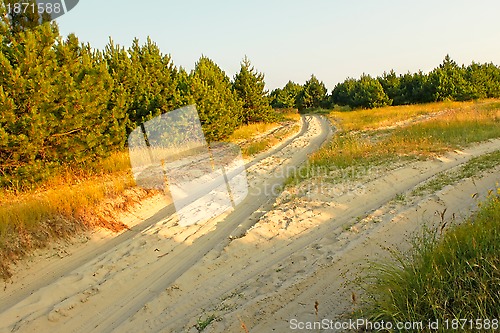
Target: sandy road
{"x":264,"y":264}
{"x":53,"y":271}
{"x":307,"y":250}
{"x":98,"y":289}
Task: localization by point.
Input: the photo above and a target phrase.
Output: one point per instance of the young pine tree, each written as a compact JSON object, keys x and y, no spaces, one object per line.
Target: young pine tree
{"x":313,"y":94}
{"x":28,"y":68}
{"x":151,"y":82}
{"x":218,"y":106}
{"x":286,"y":98}
{"x":250,"y":87}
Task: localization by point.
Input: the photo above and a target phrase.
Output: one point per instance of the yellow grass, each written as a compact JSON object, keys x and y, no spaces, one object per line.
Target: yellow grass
{"x":466,"y":123}
{"x":293,"y":116}
{"x":390,"y":115}
{"x":250,"y":131}
{"x":61,"y":206}
{"x":258,"y":137}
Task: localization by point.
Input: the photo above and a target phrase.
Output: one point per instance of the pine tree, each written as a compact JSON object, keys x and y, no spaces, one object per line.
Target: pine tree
{"x":343,"y":93}
{"x":85,"y":125}
{"x":492,"y":73}
{"x":391,"y":84}
{"x":369,"y":93}
{"x":27,"y":71}
{"x":313,"y":94}
{"x":218,"y":106}
{"x":154,"y":86}
{"x":250,"y":87}
{"x":448,"y":81}
{"x":286,"y":98}
{"x":56,"y":101}
{"x":366,"y":92}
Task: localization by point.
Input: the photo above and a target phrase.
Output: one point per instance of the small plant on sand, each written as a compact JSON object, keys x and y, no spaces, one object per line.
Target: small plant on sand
{"x":400,"y":198}
{"x":203,"y":323}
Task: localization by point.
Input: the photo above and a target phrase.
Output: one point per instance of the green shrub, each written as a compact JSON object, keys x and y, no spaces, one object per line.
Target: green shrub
{"x":450,"y":277}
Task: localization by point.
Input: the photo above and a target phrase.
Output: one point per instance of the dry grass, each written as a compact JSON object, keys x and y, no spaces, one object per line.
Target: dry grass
{"x":64,"y":205}
{"x":250,"y":131}
{"x":292,"y":116}
{"x":388,"y":116}
{"x":268,"y":141}
{"x":358,"y":143}
{"x":376,"y":137}
{"x":258,"y":137}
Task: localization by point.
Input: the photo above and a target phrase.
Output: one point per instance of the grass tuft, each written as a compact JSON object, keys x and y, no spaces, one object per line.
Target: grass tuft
{"x":450,"y":277}
{"x":203,"y":323}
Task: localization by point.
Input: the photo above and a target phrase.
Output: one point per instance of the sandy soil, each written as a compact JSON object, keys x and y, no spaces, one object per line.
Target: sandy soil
{"x":261,"y":265}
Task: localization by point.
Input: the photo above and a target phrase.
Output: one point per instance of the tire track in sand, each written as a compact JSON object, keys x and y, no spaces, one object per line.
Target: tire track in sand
{"x":104,"y":314}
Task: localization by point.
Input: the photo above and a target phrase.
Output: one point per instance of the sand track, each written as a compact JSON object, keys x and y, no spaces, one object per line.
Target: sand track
{"x":99,"y":288}
{"x":263,"y":264}
{"x":279,"y":269}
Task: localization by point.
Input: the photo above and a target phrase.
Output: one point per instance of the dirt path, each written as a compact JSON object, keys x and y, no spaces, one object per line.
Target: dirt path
{"x":352,"y":231}
{"x":99,"y":288}
{"x":307,"y":250}
{"x":156,"y":210}
{"x":267,"y":262}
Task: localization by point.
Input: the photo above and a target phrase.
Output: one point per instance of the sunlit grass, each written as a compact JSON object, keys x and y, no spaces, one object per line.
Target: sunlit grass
{"x":63,"y":201}
{"x":293,"y":116}
{"x":390,"y":115}
{"x":266,"y":142}
{"x":457,"y":128}
{"x":249,"y":131}
{"x":358,"y":144}
{"x":117,"y":162}
{"x":444,"y":278}
{"x":61,"y":206}
{"x":452,"y":130}
{"x":258,"y":137}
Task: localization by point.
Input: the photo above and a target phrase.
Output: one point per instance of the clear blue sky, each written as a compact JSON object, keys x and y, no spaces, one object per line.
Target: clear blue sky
{"x":292,"y":39}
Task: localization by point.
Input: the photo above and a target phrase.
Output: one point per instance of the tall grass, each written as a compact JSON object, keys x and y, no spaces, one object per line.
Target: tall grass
{"x":452,"y":130}
{"x":117,"y":162}
{"x":62,"y":206}
{"x":249,"y":131}
{"x":387,"y":116}
{"x":455,"y":276}
{"x":468,"y":123}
